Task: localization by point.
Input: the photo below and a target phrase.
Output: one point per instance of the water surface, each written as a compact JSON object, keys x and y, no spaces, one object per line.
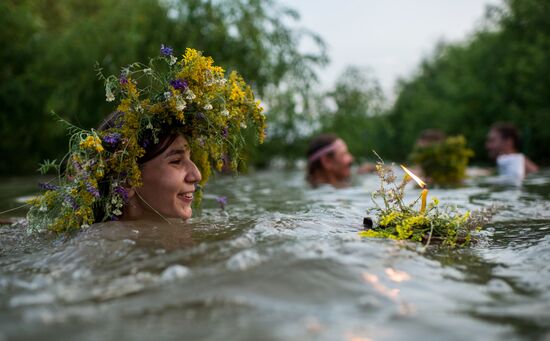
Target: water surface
{"x":281,"y":262}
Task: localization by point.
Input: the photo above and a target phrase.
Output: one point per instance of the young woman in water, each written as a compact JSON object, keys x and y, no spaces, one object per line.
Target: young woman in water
{"x":175,"y":120}
{"x":169,"y":178}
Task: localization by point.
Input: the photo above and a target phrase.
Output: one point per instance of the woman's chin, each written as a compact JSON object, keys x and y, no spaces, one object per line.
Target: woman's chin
{"x":186,"y":214}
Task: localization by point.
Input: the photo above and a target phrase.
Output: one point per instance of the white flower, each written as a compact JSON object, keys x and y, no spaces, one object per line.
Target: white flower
{"x":243,"y":125}
{"x":190,"y":94}
{"x":109,"y":97}
{"x":149,"y":125}
{"x":147,"y":71}
{"x":167,"y":95}
{"x":173,"y":60}
{"x":180,"y":104}
{"x":208,"y":106}
{"x":225,"y":112}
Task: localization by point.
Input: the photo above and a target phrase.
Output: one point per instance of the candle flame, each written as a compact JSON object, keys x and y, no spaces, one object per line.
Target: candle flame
{"x":419,"y":181}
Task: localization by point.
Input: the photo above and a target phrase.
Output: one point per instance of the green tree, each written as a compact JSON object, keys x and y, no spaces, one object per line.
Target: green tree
{"x":50,"y":64}
{"x":497,"y":75}
{"x":354,"y":111}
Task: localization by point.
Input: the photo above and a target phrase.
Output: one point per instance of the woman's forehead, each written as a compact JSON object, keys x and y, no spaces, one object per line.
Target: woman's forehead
{"x":342,"y":148}
{"x":180,"y":141}
{"x":179,"y":144}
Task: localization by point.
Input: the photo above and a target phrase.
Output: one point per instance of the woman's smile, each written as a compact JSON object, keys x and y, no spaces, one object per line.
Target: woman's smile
{"x":186,"y":197}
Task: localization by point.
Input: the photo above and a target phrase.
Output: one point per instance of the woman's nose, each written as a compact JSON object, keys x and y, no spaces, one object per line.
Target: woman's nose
{"x":193,"y":175}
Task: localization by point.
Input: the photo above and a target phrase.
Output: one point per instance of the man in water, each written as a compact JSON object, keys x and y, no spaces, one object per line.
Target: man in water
{"x":503,"y":144}
{"x":328,"y":161}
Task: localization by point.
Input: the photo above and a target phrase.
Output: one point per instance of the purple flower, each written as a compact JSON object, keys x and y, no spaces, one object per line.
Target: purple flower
{"x":70,"y":200}
{"x":122,"y":192}
{"x":79,"y":169}
{"x":122,"y":79}
{"x":112,"y":139}
{"x":146,"y":141}
{"x":47,"y":186}
{"x":92,"y":190}
{"x":76,"y":165}
{"x":222,"y":201}
{"x":225,"y":132}
{"x":179,"y":84}
{"x":166,"y":50}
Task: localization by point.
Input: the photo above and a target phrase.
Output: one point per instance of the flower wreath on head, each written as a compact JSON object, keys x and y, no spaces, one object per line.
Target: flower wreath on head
{"x":190,"y":96}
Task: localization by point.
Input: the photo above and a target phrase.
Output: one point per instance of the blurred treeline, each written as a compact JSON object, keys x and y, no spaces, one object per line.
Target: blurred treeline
{"x":49,"y":48}
{"x":500,"y":74}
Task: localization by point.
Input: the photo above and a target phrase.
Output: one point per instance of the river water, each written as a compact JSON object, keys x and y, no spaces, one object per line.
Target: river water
{"x":281,"y":262}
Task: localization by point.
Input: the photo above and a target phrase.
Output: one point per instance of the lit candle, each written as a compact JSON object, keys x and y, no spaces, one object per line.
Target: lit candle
{"x":424,"y":196}
{"x":422,"y":185}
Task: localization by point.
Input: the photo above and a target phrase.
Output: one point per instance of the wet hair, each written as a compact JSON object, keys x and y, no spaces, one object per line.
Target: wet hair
{"x":163,"y":140}
{"x":318,"y":143}
{"x":508,"y":130}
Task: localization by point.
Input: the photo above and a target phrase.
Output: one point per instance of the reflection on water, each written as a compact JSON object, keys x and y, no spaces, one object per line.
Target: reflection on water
{"x":281,"y":262}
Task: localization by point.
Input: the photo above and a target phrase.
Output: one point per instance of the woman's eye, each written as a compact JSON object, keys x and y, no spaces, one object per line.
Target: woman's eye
{"x":176,"y":162}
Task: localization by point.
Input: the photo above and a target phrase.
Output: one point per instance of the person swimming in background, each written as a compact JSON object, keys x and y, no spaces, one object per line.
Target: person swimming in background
{"x":328,"y":161}
{"x":427,"y":138}
{"x":503,"y":145}
{"x":440,"y":159}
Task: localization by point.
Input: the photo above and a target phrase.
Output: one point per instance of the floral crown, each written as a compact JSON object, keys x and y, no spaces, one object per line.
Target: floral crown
{"x":190,"y":96}
{"x":444,"y":162}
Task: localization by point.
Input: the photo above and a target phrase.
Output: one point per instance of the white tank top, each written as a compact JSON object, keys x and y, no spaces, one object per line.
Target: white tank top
{"x":511,"y":167}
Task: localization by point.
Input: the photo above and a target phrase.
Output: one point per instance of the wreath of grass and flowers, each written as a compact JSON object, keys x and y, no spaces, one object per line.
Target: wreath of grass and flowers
{"x":444,"y":163}
{"x":188,"y":95}
{"x":401,"y":221}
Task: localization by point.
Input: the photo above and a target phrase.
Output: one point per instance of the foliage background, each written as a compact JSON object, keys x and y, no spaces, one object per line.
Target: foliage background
{"x":500,"y":74}
{"x":50,"y":48}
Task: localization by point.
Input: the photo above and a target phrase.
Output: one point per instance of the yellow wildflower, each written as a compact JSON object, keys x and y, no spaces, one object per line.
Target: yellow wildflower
{"x":92,"y":142}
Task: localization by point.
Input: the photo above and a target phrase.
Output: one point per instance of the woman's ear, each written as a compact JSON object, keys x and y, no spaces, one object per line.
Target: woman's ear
{"x":326,"y":162}
{"x":131,"y":192}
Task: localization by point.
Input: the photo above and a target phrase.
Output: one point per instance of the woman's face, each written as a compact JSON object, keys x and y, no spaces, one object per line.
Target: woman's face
{"x":340,"y":163}
{"x":169,"y":182}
